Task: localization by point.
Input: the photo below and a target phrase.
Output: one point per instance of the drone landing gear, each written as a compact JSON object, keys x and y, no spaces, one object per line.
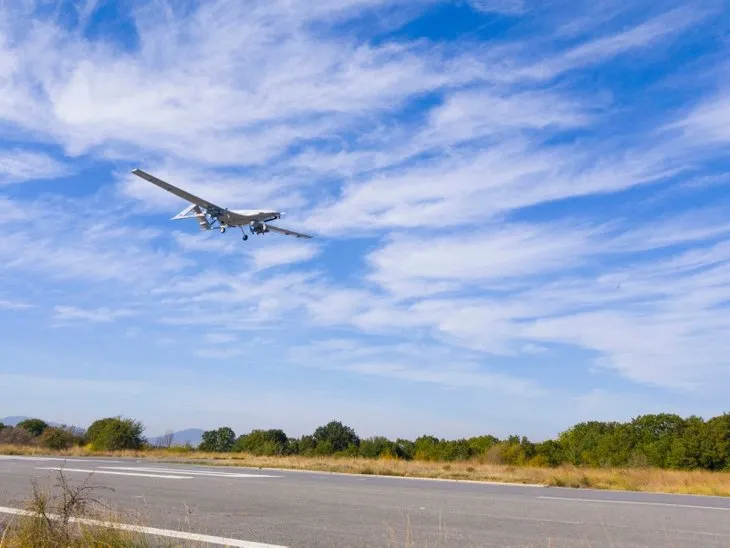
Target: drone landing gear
{"x":223,"y":230}
{"x":245,"y":236}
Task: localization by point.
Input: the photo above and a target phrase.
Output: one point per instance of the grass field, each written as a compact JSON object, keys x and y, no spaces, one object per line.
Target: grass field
{"x":698,"y":482}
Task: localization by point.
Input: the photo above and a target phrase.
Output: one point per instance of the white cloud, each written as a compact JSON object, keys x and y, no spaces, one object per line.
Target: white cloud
{"x":507,"y":251}
{"x":220,"y":353}
{"x":462,"y":188}
{"x":57,"y":240}
{"x":6,"y":304}
{"x":511,"y":7}
{"x":95,"y":315}
{"x":275,"y":254}
{"x":220,"y":338}
{"x":709,"y":122}
{"x":17,"y":166}
{"x":415,"y":364}
{"x":644,"y":35}
{"x":207,"y":242}
{"x":53,"y":386}
{"x":223,"y":105}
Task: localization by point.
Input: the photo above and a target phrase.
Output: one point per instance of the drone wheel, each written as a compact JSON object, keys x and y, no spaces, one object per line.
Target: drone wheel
{"x":245,"y":237}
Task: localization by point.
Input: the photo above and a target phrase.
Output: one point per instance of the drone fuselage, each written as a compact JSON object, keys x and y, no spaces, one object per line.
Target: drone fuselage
{"x":256,"y":215}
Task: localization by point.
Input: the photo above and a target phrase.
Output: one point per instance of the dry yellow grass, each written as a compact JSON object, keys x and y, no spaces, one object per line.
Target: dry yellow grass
{"x":698,"y":482}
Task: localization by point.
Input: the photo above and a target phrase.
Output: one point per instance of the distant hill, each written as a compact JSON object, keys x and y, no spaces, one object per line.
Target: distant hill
{"x":193,"y":436}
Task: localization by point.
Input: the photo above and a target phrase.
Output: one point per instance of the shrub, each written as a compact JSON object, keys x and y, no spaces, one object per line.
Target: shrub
{"x":116,"y":433}
{"x":57,"y":438}
{"x":378,"y":446}
{"x":426,"y":448}
{"x":54,"y":520}
{"x":16,"y":436}
{"x":263,"y":442}
{"x":302,"y":446}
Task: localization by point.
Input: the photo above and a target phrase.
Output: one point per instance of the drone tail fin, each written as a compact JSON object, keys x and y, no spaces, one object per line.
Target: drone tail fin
{"x":194,"y":212}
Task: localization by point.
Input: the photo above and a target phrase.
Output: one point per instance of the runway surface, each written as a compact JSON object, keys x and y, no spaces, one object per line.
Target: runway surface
{"x":244,"y":507}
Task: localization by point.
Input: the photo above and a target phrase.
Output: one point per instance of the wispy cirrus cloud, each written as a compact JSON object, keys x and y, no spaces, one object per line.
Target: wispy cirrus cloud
{"x":410,"y":363}
{"x":62,"y":313}
{"x":283,"y":254}
{"x":499,"y":6}
{"x":7,"y":304}
{"x":497,"y":209}
{"x":17,"y":166}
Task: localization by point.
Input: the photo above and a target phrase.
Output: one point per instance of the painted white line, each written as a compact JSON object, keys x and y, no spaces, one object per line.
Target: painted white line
{"x":640,"y":503}
{"x":211,"y":473}
{"x":210,"y":539}
{"x":88,"y":471}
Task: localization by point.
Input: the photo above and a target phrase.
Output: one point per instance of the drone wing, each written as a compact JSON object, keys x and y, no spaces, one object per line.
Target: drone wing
{"x":287,"y":231}
{"x":176,"y":191}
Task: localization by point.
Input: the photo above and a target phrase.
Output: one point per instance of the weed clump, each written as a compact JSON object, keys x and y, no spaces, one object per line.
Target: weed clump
{"x":67,"y":516}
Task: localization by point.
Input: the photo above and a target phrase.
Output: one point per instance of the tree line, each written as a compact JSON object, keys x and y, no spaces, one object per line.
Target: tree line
{"x":109,"y":434}
{"x":660,"y":440}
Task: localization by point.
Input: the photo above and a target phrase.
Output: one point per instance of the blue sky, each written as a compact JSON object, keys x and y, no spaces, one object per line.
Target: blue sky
{"x":520,"y":212}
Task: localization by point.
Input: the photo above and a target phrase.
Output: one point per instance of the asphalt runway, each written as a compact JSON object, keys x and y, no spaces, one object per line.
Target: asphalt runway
{"x":271,"y":508}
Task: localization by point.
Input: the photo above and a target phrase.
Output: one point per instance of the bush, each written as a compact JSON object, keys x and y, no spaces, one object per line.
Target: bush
{"x":57,"y":438}
{"x":16,"y":436}
{"x":302,"y":446}
{"x":34,"y":426}
{"x":114,"y":434}
{"x":379,"y":446}
{"x":263,"y":442}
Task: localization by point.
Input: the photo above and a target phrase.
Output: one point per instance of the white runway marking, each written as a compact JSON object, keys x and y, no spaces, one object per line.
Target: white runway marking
{"x":210,"y":473}
{"x":210,"y":539}
{"x":641,"y":503}
{"x":141,"y":475}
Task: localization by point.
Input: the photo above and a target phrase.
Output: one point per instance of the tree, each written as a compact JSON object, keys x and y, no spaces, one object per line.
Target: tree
{"x":426,"y":448}
{"x":334,"y":437}
{"x":481,"y":444}
{"x":715,"y":448}
{"x":34,"y":426}
{"x":218,"y":441}
{"x":654,"y":436}
{"x":115,"y":433}
{"x":302,"y":446}
{"x":166,"y":439}
{"x":404,"y":448}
